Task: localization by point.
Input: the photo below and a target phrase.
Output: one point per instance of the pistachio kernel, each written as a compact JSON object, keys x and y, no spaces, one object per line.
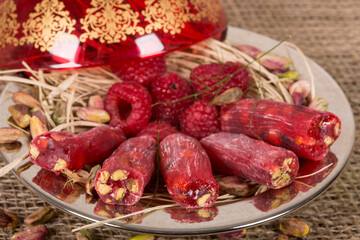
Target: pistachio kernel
{"x":203,"y":213}
{"x":103,"y":188}
{"x":119,"y":175}
{"x":120,"y":193}
{"x":133,"y":185}
{"x":104,"y":176}
{"x":328,"y":141}
{"x":60,"y":165}
{"x":34,"y":151}
{"x":202,"y":200}
{"x":294,"y":227}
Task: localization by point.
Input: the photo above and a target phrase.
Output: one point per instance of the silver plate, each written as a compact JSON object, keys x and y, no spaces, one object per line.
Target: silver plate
{"x":233,"y":216}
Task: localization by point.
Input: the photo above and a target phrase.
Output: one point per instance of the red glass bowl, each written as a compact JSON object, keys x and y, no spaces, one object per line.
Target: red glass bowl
{"x":62,"y":34}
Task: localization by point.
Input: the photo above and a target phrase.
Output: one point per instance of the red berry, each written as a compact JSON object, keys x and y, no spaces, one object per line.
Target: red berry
{"x":143,"y":71}
{"x":167,"y":88}
{"x":129,"y":106}
{"x":200,"y":120}
{"x":155,"y":128}
{"x":206,"y":75}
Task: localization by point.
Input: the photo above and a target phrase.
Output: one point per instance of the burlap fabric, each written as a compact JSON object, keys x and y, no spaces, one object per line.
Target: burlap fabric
{"x":328,"y":31}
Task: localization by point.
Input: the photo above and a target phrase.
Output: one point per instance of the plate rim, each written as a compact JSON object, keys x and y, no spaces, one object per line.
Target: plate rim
{"x":223,"y":229}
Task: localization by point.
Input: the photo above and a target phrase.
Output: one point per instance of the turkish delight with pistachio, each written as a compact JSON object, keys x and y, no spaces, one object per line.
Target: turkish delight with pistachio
{"x":240,"y":155}
{"x":186,"y":169}
{"x":307,"y":132}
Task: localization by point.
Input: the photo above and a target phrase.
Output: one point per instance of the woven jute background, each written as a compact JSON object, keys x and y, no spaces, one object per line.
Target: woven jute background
{"x":328,"y":31}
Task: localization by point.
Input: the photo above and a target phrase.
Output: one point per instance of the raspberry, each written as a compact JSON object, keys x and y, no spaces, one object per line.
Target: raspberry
{"x":167,"y":88}
{"x":129,"y":106}
{"x":200,"y":120}
{"x":143,"y":71}
{"x":153,"y":128}
{"x":206,"y":75}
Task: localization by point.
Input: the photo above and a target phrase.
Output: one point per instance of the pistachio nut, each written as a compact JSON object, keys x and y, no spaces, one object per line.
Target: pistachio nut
{"x":237,"y":186}
{"x":58,"y":113}
{"x":83,"y":235}
{"x":93,"y":114}
{"x":319,"y":104}
{"x":302,"y":87}
{"x":9,"y":135}
{"x":289,"y":74}
{"x":21,"y":114}
{"x":249,"y":50}
{"x":294,"y":227}
{"x":37,"y":127}
{"x":41,"y":216}
{"x":274,"y":62}
{"x":233,"y":235}
{"x":26,"y":99}
{"x":8,"y":220}
{"x":229,"y":96}
{"x":38,"y":232}
{"x":143,"y":237}
{"x":10,"y":147}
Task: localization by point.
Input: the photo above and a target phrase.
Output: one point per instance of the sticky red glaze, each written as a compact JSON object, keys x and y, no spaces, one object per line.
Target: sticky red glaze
{"x":137,"y":157}
{"x":193,"y":215}
{"x":186,"y":169}
{"x":76,"y":150}
{"x":274,"y":198}
{"x":59,"y":145}
{"x":155,"y":128}
{"x":300,"y":129}
{"x":240,"y":155}
{"x":58,"y":186}
{"x":129,"y":106}
{"x":103,"y":141}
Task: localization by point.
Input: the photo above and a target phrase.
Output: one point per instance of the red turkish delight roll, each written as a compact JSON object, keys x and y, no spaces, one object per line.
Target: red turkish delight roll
{"x":56,"y":151}
{"x":307,"y":132}
{"x":158,"y":129}
{"x":240,"y":155}
{"x":186,"y":169}
{"x":103,"y":141}
{"x":124,"y":175}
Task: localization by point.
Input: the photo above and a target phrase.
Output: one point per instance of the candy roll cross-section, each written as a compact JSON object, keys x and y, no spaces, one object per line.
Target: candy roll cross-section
{"x":186,"y":169}
{"x":124,"y":175}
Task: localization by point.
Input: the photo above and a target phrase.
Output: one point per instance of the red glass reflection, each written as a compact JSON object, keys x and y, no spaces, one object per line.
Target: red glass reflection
{"x":60,"y":34}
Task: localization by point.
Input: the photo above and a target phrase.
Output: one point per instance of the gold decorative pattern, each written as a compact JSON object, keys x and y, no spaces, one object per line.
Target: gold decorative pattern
{"x":206,"y":9}
{"x":167,"y":15}
{"x":47,"y":22}
{"x":110,"y":21}
{"x":8,"y":23}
